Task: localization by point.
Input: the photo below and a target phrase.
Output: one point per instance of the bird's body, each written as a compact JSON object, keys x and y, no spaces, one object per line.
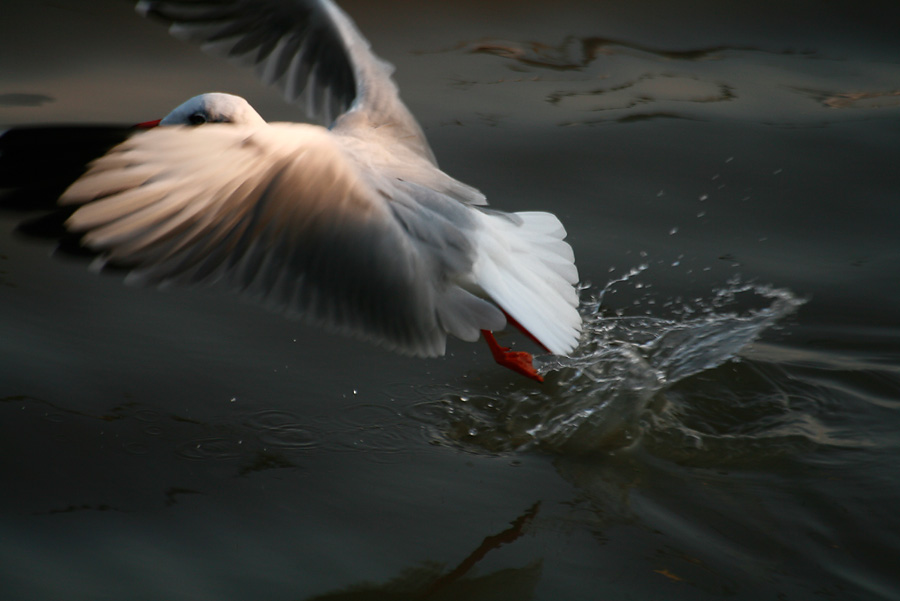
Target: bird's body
{"x":353,"y":226}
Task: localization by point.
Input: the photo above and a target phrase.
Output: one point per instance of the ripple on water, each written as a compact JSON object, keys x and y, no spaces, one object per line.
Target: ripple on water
{"x":291,"y":437}
{"x":271,"y":419}
{"x":283,"y":430}
{"x":210,"y":448}
{"x":432,"y":412}
{"x":371,"y":427}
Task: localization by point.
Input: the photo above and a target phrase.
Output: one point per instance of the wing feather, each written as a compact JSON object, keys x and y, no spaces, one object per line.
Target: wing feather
{"x":289,"y":215}
{"x":310,"y":49}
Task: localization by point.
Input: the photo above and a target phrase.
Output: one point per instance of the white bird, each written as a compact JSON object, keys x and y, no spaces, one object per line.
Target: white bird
{"x":353,"y":226}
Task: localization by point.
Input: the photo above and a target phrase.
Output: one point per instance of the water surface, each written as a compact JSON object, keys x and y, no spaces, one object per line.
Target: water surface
{"x":728,"y":428}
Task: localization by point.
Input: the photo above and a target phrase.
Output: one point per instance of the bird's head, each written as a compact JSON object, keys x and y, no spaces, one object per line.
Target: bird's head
{"x":215,"y":107}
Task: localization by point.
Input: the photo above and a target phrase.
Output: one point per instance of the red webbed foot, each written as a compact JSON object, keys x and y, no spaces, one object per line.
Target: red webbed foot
{"x":518,"y":361}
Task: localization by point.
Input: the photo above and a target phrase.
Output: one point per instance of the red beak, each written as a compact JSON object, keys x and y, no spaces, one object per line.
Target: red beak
{"x":148,"y":124}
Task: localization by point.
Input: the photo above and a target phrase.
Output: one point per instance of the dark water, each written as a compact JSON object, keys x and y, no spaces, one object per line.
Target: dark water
{"x":730,"y":426}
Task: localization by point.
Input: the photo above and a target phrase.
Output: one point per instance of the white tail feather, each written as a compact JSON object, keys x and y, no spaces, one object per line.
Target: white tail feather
{"x":525,"y":266}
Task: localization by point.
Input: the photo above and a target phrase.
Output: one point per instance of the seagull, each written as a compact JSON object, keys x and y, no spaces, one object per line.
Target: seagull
{"x":350,"y":225}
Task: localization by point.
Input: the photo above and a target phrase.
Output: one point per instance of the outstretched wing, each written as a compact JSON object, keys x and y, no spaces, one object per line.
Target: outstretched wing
{"x":310,"y":49}
{"x":287,"y":214}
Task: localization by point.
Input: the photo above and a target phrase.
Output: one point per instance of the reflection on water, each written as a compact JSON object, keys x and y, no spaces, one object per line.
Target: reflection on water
{"x":432,"y":581}
{"x":597,"y":80}
{"x":870,"y":100}
{"x":578,"y":53}
{"x":417,"y":583}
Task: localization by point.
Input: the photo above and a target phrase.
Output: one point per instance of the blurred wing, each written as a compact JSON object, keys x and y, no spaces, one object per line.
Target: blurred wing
{"x":285,"y":214}
{"x":310,"y":49}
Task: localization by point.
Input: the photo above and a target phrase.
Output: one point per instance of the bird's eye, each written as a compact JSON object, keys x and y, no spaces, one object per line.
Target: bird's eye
{"x":197,"y":119}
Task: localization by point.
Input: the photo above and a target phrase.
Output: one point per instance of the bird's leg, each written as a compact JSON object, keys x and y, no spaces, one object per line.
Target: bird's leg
{"x":518,"y":361}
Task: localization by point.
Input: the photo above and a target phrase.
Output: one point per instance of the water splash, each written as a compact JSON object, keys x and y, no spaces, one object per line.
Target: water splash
{"x":594,"y":399}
